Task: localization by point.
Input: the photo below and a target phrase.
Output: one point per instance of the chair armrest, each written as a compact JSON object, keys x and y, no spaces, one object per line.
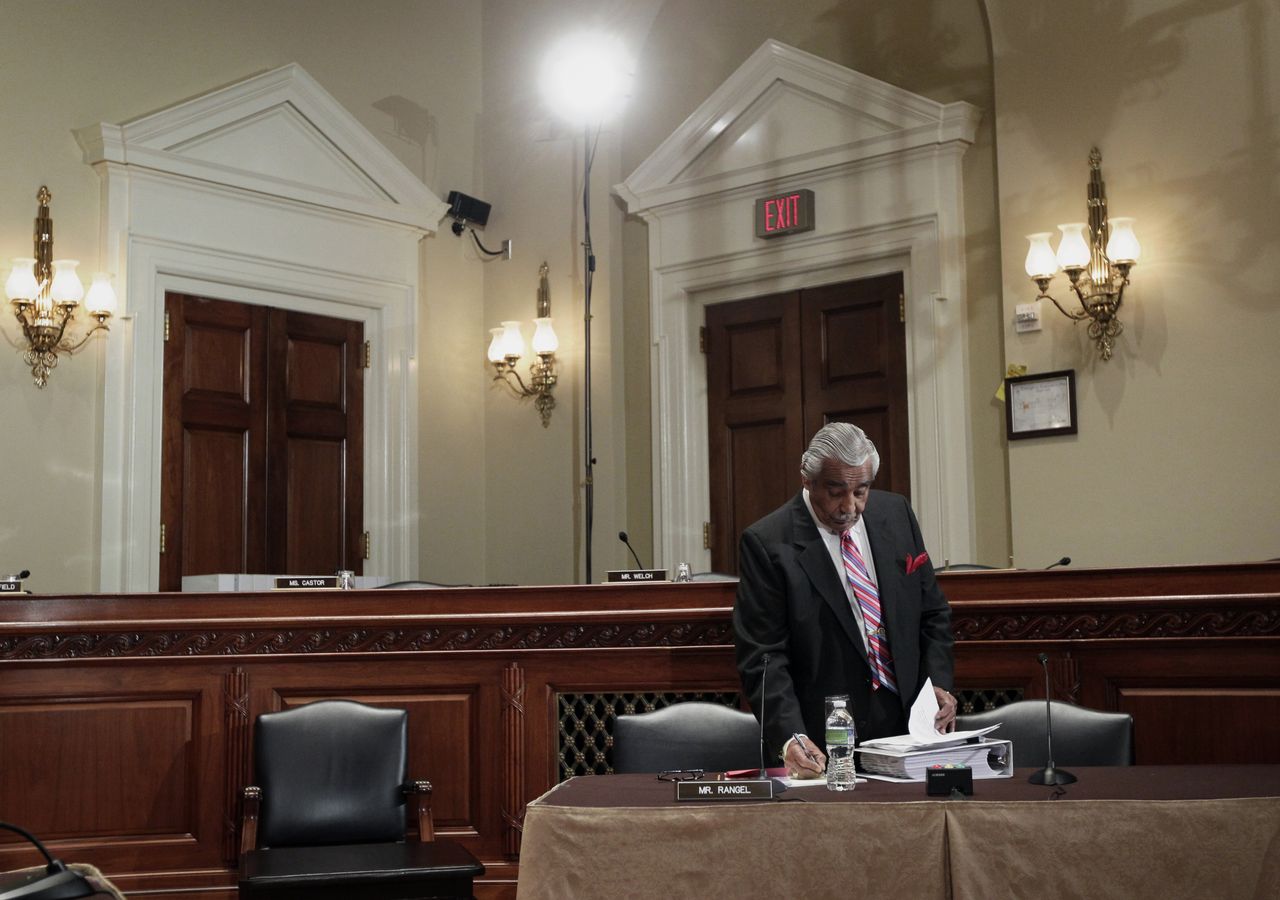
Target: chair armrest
{"x":249,"y":818}
{"x":420,"y":794}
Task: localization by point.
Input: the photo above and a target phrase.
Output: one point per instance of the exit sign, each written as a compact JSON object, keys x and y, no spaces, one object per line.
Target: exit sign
{"x":784,"y":214}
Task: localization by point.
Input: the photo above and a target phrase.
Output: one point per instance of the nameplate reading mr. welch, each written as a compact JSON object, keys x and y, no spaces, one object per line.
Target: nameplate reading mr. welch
{"x":703,"y":791}
{"x":632,"y":575}
{"x":307,"y":583}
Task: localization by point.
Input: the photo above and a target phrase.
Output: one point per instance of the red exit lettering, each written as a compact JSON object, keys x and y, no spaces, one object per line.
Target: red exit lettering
{"x":782,"y":212}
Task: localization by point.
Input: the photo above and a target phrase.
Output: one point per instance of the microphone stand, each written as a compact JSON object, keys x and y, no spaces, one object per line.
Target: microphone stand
{"x":1049,"y":774}
{"x":764,"y":676}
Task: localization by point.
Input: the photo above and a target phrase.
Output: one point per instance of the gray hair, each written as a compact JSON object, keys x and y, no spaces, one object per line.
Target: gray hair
{"x":846,"y":444}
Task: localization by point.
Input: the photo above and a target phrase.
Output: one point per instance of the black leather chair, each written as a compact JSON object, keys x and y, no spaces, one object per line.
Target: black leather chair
{"x":1081,"y":736}
{"x":326,"y":818}
{"x":689,"y":735}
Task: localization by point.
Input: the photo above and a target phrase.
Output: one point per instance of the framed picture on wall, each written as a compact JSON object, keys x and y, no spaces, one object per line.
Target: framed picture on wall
{"x":1040,"y":405}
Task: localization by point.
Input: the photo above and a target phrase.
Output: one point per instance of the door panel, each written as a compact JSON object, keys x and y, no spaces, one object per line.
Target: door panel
{"x":778,"y":369}
{"x":213,"y":490}
{"x":262,"y":452}
{"x":314,"y":466}
{"x":754,"y":413}
{"x":859,"y":372}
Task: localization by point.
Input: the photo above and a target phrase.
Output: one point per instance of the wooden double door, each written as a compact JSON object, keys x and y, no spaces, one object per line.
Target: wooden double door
{"x":779,"y":368}
{"x":262,"y":448}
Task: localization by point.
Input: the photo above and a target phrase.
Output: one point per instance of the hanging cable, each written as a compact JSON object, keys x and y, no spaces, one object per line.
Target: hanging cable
{"x":505,"y":251}
{"x":589,"y":266}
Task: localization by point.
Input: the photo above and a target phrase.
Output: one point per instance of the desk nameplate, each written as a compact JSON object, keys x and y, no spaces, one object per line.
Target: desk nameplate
{"x":307,"y":583}
{"x":738,"y":789}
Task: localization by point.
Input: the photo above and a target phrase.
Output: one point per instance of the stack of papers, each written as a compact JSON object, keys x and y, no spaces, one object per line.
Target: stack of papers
{"x":986,"y":759}
{"x":906,"y":757}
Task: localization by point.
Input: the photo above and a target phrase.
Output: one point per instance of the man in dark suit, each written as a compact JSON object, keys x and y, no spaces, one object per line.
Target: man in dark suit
{"x":836,"y":595}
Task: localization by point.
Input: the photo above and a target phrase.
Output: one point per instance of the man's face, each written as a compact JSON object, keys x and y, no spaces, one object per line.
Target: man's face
{"x":839,"y":493}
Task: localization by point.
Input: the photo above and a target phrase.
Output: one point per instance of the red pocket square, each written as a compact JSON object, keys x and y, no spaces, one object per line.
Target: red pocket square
{"x":915,"y":562}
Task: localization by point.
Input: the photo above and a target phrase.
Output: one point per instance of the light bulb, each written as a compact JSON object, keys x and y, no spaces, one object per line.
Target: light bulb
{"x":495,"y":345}
{"x":1073,"y":252}
{"x":512,"y":341}
{"x":101,"y":299}
{"x":1123,"y":246}
{"x":544,"y":336}
{"x":1041,"y":263}
{"x":21,"y":283}
{"x":66,"y":286}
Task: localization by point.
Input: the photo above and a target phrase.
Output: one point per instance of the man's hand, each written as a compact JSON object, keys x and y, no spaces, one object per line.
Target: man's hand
{"x":801,"y":764}
{"x":945,"y":720}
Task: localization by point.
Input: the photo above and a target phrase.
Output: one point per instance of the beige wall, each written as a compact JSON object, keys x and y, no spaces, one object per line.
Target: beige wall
{"x":1169,"y":464}
{"x":69,"y":64}
{"x":935,"y":49}
{"x":1180,"y":96}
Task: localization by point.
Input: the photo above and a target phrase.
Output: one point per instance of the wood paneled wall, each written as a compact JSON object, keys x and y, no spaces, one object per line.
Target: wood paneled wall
{"x":126,"y":721}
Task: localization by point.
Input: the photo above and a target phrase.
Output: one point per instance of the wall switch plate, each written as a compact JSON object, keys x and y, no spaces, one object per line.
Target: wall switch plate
{"x":1026,"y":317}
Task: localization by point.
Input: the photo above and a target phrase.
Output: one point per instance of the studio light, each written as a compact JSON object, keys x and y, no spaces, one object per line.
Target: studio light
{"x":1096,"y":256}
{"x":587,"y":78}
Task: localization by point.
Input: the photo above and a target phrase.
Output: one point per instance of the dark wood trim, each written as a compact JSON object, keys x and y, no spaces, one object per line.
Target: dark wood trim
{"x":479,"y":670}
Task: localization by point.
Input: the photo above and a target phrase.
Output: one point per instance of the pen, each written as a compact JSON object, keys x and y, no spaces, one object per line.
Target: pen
{"x":804,"y":749}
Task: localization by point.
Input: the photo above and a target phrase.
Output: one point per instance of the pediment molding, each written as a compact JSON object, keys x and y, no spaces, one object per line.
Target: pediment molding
{"x":747,"y":132}
{"x":319,"y":153}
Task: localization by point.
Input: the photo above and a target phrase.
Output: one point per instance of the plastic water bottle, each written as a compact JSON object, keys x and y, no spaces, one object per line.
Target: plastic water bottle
{"x":840,"y":739}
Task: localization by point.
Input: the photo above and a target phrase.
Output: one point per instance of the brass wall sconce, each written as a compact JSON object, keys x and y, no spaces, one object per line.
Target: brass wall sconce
{"x":1096,"y":256}
{"x":46,"y":292}
{"x":506,"y":346}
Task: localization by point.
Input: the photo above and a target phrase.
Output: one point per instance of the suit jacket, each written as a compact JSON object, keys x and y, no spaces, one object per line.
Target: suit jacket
{"x":792,"y":605}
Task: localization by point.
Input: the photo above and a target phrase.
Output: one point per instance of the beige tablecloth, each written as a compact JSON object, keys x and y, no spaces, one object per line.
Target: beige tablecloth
{"x":808,"y":845}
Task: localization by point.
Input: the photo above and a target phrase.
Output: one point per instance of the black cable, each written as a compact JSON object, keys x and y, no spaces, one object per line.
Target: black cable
{"x":32,"y":838}
{"x":589,"y":260}
{"x":483,"y":248}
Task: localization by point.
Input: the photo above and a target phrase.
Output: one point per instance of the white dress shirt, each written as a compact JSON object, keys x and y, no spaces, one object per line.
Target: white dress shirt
{"x":832,"y":541}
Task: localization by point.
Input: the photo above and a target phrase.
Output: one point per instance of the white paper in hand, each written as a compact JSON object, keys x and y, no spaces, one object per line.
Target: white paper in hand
{"x":920,"y":729}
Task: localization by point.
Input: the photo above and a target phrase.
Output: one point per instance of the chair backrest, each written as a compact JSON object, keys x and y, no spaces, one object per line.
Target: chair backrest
{"x":331,"y":772}
{"x":689,"y":735}
{"x":1081,"y":736}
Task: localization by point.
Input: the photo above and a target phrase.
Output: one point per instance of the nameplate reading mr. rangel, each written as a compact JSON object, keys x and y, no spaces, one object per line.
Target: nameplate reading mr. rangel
{"x":755,"y":789}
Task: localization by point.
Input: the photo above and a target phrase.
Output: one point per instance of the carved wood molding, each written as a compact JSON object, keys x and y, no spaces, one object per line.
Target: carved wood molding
{"x":1215,"y":622}
{"x":235,"y":712}
{"x":309,"y":641}
{"x":513,"y":687}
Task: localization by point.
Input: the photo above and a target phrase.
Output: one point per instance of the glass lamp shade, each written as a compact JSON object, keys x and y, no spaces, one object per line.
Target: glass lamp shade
{"x":495,"y":345}
{"x":1073,"y":251}
{"x":544,"y":336}
{"x":587,"y":77}
{"x":512,"y":341}
{"x":101,"y":299}
{"x":1041,"y":263}
{"x":66,"y":286}
{"x":21,"y":283}
{"x":1123,"y":246}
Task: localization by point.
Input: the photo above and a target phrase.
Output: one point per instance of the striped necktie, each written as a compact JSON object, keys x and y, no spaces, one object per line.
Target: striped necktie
{"x":869,"y":601}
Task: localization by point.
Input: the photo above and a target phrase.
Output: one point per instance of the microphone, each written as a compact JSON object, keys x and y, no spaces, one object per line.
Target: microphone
{"x":1049,"y":774}
{"x":764,"y":683}
{"x":21,"y":576}
{"x":622,"y":536}
{"x":1065,"y":561}
{"x":56,"y":881}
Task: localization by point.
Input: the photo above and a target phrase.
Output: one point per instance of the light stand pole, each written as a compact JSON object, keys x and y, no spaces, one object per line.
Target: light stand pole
{"x":588,"y":271}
